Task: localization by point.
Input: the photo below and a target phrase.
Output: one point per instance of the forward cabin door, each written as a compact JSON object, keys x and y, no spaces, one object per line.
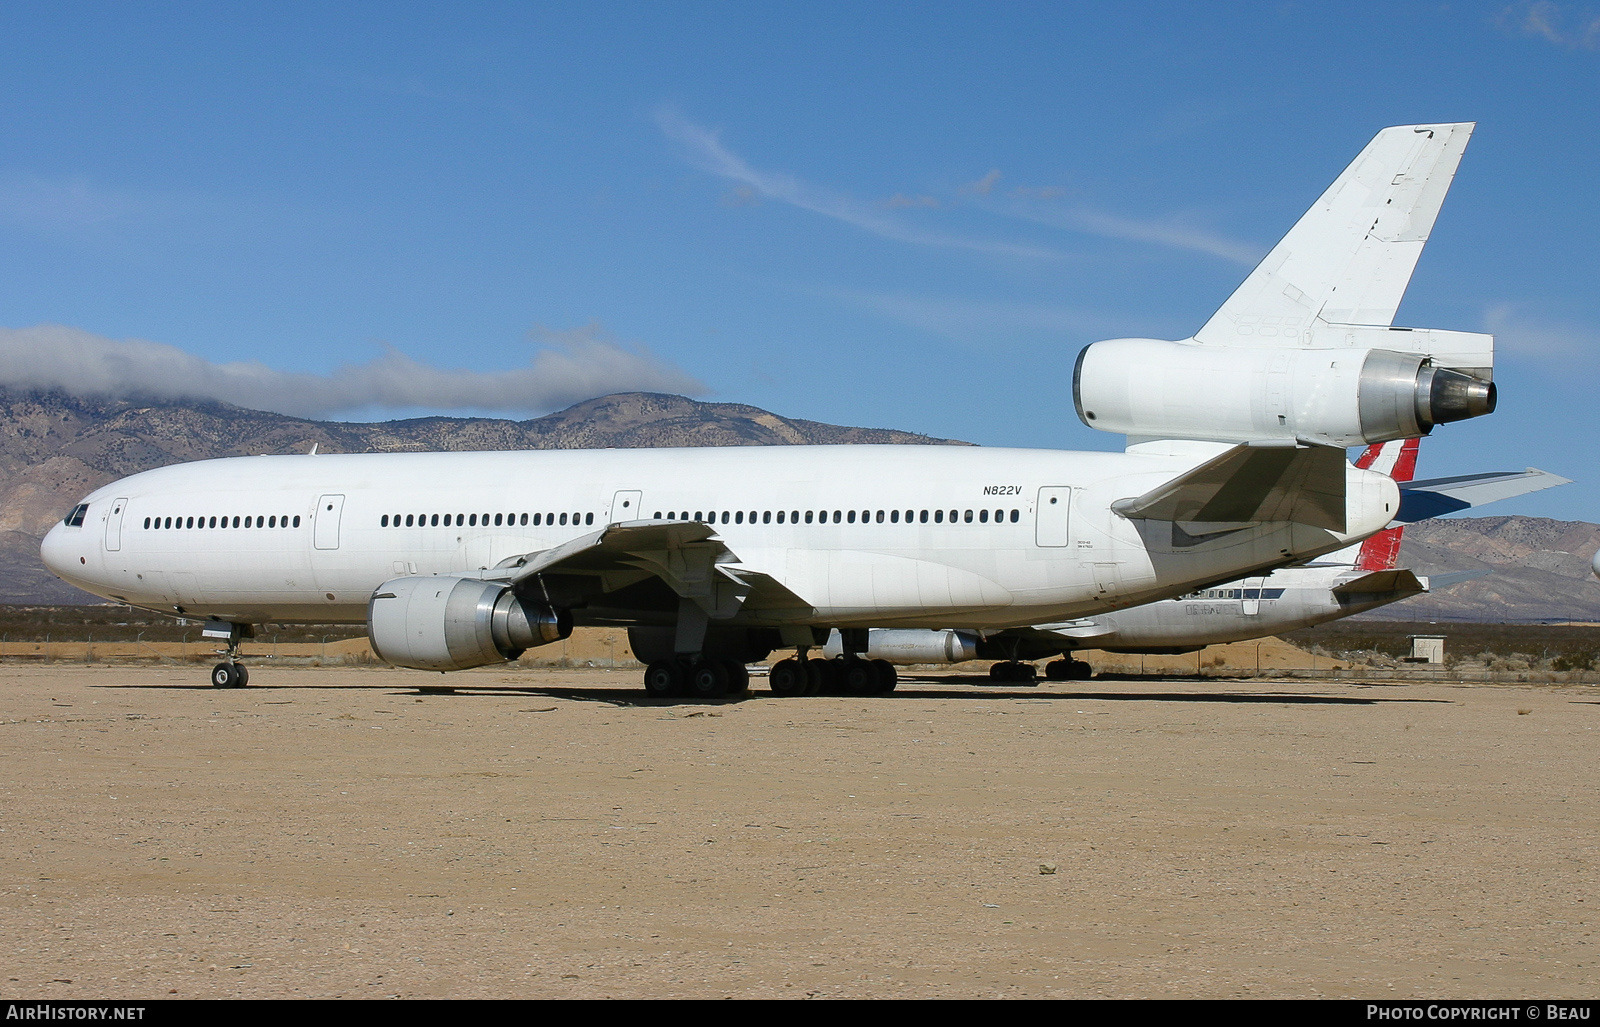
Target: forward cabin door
{"x":114,"y":525}
{"x":625,"y":507}
{"x":1050,"y":518}
{"x":326,"y":522}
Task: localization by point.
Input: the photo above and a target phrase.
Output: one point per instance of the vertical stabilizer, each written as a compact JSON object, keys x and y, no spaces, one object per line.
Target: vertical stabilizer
{"x":1398,"y":459}
{"x":1348,"y":260}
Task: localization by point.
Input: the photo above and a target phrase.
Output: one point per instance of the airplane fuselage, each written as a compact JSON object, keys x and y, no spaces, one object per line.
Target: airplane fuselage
{"x":913,"y":536}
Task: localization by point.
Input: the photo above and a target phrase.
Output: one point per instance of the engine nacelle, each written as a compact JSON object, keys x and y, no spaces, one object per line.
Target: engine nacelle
{"x":438,"y":623}
{"x":1333,"y":396}
{"x":912,"y":645}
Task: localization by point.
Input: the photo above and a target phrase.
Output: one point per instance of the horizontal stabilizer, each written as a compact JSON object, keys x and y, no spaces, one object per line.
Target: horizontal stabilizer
{"x":1438,"y":581}
{"x":1252,"y":484}
{"x":1348,"y":260}
{"x":1435,"y":497}
{"x":1382,"y":583}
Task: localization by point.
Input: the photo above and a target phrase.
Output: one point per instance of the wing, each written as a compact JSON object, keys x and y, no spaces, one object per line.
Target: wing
{"x":687,"y":556}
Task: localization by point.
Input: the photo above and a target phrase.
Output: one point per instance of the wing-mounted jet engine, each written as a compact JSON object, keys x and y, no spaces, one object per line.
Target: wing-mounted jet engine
{"x":1305,"y":350}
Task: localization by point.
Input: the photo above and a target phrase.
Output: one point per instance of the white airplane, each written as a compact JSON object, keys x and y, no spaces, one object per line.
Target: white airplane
{"x":715,"y":557}
{"x":1353,"y":580}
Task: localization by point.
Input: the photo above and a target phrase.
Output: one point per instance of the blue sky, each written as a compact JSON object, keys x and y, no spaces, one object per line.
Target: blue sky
{"x":900,"y":215}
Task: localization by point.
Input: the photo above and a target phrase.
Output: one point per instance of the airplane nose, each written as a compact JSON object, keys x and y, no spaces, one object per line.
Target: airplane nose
{"x":53,"y":551}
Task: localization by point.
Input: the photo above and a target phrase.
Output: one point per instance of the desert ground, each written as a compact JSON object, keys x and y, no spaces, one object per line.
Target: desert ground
{"x":549,"y":832}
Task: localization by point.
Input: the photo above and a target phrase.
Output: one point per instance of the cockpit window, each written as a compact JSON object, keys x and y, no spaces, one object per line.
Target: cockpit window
{"x":74,"y":519}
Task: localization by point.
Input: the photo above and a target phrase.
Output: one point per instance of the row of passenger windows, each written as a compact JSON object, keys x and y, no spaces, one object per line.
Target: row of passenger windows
{"x":252,"y":521}
{"x":1234,"y":593}
{"x":474,"y":520}
{"x":844,"y":516}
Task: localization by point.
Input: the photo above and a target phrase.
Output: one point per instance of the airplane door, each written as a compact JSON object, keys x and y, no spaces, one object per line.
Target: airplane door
{"x":114,"y":525}
{"x":1050,"y":518}
{"x":625,"y":506}
{"x":1252,"y":596}
{"x":325,"y":534}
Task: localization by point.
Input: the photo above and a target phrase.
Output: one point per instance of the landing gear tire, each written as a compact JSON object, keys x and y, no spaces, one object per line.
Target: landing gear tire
{"x":888,"y":677}
{"x":788,"y":677}
{"x":1068,"y":670}
{"x":819,"y":677}
{"x":663,"y":679}
{"x":738,"y":679}
{"x":229,"y":675}
{"x":1012,"y":672}
{"x":708,"y":679}
{"x":859,"y":677}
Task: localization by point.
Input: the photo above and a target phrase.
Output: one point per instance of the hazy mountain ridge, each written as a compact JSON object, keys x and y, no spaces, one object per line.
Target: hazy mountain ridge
{"x":55,"y":448}
{"x":1540,"y":569}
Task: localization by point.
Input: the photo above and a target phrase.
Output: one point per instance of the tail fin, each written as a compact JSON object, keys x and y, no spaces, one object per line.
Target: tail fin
{"x":1397,"y":459}
{"x":1348,"y":260}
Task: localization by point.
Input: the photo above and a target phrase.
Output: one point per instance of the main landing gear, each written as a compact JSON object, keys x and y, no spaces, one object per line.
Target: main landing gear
{"x":230,"y":675}
{"x":843,"y":675}
{"x":1068,"y":670}
{"x":696,"y":677}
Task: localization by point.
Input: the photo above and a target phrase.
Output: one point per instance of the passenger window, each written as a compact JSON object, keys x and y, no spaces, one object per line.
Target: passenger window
{"x":766,"y":517}
{"x":147,"y":524}
{"x":738,"y":517}
{"x":924,"y":517}
{"x":808,"y":516}
{"x":169,"y":522}
{"x":588,"y":518}
{"x":794,"y":517}
{"x":983,"y":517}
{"x":851,"y":517}
{"x":1014,"y":515}
{"x":498,"y":519}
{"x":297,"y":520}
{"x":894,"y":516}
{"x":213,"y":523}
{"x":880,"y":517}
{"x":523,"y":519}
{"x":967,"y":517}
{"x":938,"y":517}
{"x":836,"y":517}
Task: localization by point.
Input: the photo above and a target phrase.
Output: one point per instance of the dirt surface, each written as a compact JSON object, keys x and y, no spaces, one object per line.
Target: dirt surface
{"x":550,"y":833}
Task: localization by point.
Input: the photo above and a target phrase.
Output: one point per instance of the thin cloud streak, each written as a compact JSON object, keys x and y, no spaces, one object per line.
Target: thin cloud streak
{"x":1519,"y":335}
{"x":706,"y":151}
{"x":570,"y":366}
{"x":1164,"y":233}
{"x":977,"y":320}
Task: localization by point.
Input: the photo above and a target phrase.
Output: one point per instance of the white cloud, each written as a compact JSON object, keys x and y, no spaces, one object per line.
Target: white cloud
{"x":1575,"y":30}
{"x":706,"y":151}
{"x":569,"y":366}
{"x":1516,"y":333}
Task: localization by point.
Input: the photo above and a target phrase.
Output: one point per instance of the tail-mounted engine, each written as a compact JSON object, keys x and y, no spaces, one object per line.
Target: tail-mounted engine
{"x":1343,"y":396}
{"x":455,"y":623}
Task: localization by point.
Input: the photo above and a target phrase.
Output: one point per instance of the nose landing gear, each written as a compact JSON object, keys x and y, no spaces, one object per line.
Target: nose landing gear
{"x":230,"y":673}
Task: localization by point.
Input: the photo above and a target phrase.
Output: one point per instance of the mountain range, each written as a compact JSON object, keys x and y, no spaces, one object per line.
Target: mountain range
{"x":55,"y":448}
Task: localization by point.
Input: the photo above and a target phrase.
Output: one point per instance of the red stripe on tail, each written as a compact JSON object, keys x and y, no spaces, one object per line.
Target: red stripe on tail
{"x":1382,"y":551}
